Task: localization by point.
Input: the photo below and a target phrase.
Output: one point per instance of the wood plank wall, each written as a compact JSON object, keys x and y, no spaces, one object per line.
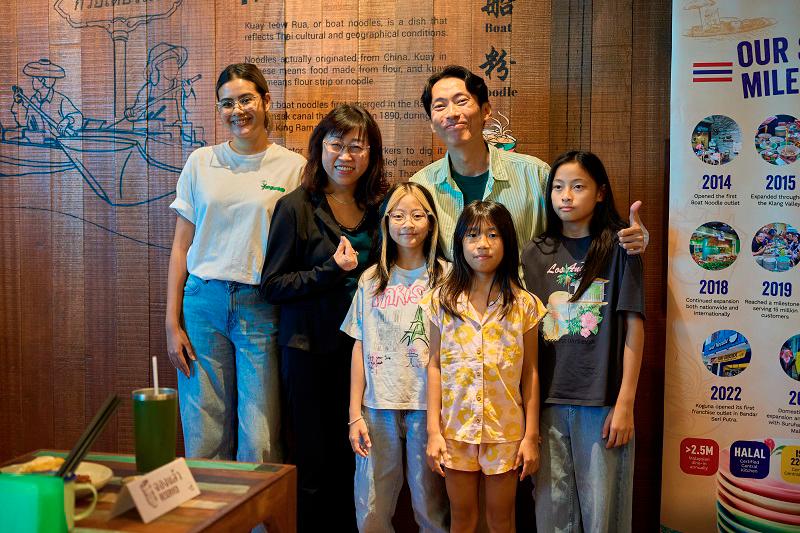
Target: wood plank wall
{"x":81,"y":308}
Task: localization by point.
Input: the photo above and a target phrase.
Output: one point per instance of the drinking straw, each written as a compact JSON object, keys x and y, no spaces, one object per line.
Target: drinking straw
{"x":155,"y":375}
{"x":94,"y":429}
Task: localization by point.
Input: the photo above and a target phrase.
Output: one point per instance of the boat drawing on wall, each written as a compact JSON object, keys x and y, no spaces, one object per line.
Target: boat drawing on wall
{"x":129,"y":159}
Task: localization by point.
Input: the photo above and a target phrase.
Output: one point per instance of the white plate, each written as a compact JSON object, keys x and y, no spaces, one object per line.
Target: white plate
{"x":99,"y":474}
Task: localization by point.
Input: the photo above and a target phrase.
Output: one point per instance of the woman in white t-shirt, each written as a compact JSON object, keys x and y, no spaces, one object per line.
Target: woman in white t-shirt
{"x":221,"y":335}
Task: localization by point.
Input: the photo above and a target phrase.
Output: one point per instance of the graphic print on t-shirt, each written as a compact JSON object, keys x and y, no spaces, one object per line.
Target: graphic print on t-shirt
{"x":390,"y":305}
{"x":416,"y":331}
{"x":581,"y":317}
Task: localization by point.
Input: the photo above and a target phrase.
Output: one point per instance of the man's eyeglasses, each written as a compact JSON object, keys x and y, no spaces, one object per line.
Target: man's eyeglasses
{"x":354,"y":149}
{"x":246,"y":102}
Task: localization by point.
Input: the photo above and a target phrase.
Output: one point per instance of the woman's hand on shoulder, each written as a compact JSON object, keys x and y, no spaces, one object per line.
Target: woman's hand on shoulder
{"x":436,"y":453}
{"x":345,"y":255}
{"x":359,"y":438}
{"x":528,"y":457}
{"x":179,"y":349}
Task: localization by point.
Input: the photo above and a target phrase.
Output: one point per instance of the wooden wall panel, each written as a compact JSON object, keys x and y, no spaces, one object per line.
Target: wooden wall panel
{"x":10,"y":257}
{"x":36,"y":258}
{"x":82,"y":285}
{"x":571,"y":77}
{"x":649,"y":182}
{"x":529,"y":110}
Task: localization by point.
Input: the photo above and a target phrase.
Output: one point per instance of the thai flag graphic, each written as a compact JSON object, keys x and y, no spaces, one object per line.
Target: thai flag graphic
{"x":720,"y":71}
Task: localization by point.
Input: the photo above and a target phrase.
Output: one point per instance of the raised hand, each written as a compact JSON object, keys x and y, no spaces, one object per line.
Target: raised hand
{"x":345,"y":255}
{"x":636,"y":237}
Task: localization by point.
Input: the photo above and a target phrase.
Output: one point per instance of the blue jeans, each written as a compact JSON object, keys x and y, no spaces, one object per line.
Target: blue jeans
{"x":230,"y":404}
{"x":581,"y":485}
{"x":379,"y":477}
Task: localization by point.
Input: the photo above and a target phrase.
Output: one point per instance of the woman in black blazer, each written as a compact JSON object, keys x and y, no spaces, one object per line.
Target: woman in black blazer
{"x":318,"y":246}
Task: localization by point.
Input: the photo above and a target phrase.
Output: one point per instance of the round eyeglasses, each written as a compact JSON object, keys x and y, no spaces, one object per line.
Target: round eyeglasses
{"x":354,"y":149}
{"x":400,"y":217}
{"x":246,"y":102}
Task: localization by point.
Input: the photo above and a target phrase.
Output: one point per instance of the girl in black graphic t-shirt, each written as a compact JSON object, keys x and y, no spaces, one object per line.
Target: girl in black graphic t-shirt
{"x":590,"y":351}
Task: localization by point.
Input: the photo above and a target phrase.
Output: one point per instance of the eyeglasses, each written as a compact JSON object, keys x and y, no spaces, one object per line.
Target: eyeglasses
{"x":336,"y":147}
{"x":399,"y":217}
{"x":246,"y":102}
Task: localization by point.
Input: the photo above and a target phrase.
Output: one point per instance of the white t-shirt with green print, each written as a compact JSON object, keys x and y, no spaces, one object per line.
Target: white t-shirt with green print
{"x":230,"y":198}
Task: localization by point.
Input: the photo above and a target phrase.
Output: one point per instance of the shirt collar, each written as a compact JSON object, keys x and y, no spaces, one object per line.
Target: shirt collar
{"x":465,"y":308}
{"x":496,"y":169}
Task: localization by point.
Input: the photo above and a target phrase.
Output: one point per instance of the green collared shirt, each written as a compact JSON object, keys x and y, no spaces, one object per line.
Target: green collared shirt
{"x":515,"y":180}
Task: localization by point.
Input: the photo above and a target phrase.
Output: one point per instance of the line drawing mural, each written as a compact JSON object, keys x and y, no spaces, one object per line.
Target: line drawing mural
{"x":129,"y":159}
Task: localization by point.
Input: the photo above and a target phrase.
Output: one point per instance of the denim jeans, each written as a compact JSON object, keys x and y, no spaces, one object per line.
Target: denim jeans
{"x":379,"y":477}
{"x":230,"y":404}
{"x":581,"y":485}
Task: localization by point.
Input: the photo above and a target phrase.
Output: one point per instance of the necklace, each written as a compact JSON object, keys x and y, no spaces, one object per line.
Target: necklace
{"x":353,"y":228}
{"x":342,"y":202}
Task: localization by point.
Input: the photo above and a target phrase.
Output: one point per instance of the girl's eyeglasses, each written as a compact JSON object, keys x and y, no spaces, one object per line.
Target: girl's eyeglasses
{"x":399,"y":217}
{"x":246,"y":102}
{"x":336,"y":147}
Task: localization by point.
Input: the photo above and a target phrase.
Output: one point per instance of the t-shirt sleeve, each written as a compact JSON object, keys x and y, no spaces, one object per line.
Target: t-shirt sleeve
{"x":534,"y":312}
{"x":184,"y":202}
{"x":631,"y":289}
{"x":430,"y":306}
{"x":354,"y":321}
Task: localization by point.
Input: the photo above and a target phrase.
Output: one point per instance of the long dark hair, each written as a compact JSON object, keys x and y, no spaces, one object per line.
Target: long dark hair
{"x":603,"y":227}
{"x":506,"y":277}
{"x":343,"y":118}
{"x":385,"y":249}
{"x":248,"y":72}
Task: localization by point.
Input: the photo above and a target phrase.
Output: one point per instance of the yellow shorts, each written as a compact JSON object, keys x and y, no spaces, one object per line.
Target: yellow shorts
{"x":490,"y":458}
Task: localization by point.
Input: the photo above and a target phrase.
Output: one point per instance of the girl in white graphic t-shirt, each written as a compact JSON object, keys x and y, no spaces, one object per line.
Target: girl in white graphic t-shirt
{"x":388,"y":369}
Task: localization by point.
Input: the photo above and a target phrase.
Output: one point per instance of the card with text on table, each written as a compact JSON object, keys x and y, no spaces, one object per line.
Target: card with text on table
{"x":157,"y":492}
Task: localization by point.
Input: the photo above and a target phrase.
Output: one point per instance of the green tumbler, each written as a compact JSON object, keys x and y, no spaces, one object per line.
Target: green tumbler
{"x":155,"y":418}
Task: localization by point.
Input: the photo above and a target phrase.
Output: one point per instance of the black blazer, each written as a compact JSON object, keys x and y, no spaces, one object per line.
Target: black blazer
{"x":301,"y":276}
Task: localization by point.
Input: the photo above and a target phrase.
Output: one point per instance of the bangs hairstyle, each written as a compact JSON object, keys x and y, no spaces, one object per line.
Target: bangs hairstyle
{"x":603,"y":227}
{"x":251,"y":73}
{"x":474,"y":83}
{"x":343,"y":118}
{"x":386,"y":248}
{"x":506,"y":277}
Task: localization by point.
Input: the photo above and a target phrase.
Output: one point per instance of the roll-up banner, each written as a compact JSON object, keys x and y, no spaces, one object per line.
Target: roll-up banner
{"x":731,"y":458}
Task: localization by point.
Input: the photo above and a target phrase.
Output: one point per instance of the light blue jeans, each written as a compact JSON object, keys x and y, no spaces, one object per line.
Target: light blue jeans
{"x":230,"y":405}
{"x":379,"y":477}
{"x":581,"y":485}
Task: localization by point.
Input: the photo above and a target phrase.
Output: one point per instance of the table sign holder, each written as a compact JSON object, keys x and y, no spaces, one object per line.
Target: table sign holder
{"x":157,"y":492}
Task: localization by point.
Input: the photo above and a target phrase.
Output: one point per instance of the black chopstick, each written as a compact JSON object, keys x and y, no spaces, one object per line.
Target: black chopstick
{"x":94,"y":429}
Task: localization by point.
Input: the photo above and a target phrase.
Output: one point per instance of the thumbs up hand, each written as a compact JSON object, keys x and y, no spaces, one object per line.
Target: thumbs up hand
{"x":634,"y":238}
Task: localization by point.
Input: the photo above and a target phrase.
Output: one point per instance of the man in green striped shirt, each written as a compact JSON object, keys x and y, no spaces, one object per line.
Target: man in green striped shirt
{"x":457,"y":101}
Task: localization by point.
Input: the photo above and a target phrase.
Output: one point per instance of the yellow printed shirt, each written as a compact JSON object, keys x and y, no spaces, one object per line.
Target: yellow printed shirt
{"x":481,"y":367}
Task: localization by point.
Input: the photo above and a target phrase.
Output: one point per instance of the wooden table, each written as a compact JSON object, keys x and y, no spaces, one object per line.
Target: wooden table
{"x":233,"y":497}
